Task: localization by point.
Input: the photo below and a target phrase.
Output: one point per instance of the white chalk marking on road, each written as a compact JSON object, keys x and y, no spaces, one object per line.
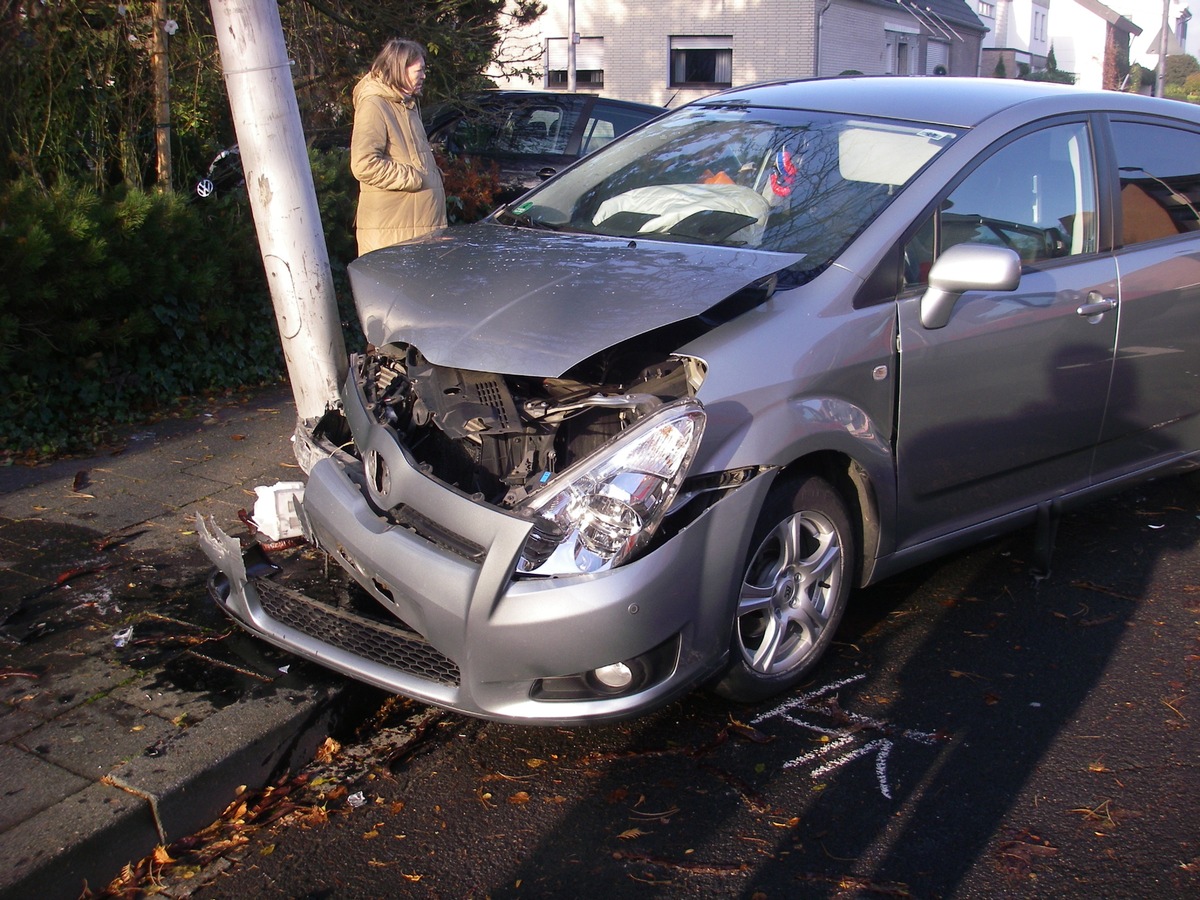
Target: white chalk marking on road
{"x":840,"y":750}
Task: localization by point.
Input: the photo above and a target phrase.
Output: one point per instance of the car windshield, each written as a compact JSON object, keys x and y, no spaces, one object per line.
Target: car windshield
{"x":791,"y":181}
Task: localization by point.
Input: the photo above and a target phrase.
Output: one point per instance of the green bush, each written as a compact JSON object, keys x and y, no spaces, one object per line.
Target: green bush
{"x":1179,"y":67}
{"x":118,"y":307}
{"x":113,"y":307}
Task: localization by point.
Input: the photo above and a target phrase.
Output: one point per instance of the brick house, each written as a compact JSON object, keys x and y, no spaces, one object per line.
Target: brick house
{"x":673,"y":51}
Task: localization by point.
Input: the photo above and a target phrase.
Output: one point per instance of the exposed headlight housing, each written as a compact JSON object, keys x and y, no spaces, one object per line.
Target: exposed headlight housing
{"x":599,"y":512}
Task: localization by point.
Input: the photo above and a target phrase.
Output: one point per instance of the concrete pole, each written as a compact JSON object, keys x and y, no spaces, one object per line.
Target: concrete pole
{"x":266,"y":119}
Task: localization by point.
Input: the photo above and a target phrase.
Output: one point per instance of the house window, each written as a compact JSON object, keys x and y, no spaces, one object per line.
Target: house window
{"x":558,"y":79}
{"x":986,"y":9}
{"x":702,"y":61}
{"x":589,"y":63}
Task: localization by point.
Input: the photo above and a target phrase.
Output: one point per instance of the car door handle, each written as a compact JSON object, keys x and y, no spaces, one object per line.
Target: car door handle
{"x":1096,"y":305}
{"x":545,"y":173}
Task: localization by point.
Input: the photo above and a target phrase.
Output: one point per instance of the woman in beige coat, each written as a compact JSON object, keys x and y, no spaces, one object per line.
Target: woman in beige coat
{"x":400,"y":188}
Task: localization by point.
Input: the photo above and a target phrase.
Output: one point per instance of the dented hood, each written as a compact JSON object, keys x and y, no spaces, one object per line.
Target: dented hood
{"x":494,"y":298}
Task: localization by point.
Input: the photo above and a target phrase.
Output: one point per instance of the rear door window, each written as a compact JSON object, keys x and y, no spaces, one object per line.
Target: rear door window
{"x":1160,"y":181}
{"x":606,"y":123}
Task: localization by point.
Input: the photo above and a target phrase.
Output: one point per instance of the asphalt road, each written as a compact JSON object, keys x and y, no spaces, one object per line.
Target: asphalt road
{"x":975,"y":733}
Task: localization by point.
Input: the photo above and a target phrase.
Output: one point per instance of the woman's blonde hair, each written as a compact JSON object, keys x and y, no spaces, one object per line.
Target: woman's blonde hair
{"x":391,"y":65}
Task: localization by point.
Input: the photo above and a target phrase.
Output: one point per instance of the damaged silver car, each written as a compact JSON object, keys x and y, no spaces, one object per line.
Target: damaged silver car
{"x":648,"y":427}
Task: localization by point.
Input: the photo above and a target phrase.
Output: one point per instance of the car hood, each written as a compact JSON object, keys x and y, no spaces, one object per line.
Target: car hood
{"x":494,"y":298}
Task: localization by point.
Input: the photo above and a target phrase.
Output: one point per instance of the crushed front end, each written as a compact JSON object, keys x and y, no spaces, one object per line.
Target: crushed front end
{"x":527,"y":549}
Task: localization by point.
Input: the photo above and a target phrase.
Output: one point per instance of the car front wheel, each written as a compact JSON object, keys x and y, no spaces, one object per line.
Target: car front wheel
{"x":794,"y":589}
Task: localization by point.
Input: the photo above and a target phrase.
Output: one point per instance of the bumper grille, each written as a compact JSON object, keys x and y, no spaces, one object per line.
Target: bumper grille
{"x":380,"y":642}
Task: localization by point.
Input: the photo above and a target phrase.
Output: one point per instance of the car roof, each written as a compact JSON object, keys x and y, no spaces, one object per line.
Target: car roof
{"x":534,"y":95}
{"x":955,"y":102}
{"x":508,"y":96}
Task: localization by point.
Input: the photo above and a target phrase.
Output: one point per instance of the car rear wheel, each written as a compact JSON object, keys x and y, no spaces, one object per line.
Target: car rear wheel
{"x":794,"y":589}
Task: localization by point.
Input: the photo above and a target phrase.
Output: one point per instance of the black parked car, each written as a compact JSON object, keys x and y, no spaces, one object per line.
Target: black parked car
{"x":530,"y":135}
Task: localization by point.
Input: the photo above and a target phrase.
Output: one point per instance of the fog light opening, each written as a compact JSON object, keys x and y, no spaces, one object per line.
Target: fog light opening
{"x":616,"y":676}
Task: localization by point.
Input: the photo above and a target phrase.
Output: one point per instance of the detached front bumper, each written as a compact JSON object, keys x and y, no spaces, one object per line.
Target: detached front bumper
{"x":455,"y":629}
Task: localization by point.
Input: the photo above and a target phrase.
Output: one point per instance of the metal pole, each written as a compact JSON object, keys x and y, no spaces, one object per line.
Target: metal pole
{"x":1161,"y":82}
{"x":572,"y":40}
{"x":266,"y":118}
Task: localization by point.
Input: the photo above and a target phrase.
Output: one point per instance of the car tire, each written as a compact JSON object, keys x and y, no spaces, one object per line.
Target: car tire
{"x":794,"y":590}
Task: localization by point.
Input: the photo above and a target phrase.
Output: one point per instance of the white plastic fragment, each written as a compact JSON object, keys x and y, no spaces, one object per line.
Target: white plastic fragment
{"x":357,"y":799}
{"x":123,"y":637}
{"x":275,"y":509}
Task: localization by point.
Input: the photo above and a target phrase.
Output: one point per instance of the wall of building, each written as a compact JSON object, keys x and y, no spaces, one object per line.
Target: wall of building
{"x":1078,"y":37}
{"x":852,"y":39}
{"x":771,"y":40}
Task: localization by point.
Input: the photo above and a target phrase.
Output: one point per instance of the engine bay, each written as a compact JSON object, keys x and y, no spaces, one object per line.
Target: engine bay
{"x":502,"y":437}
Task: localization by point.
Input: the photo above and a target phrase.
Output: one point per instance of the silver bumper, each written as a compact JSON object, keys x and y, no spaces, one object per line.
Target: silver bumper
{"x":466,"y":635}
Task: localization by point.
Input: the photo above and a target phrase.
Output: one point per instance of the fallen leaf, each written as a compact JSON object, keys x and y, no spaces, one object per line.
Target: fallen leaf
{"x":328,"y":750}
{"x":161,"y":857}
{"x":631,"y":833}
{"x":519,"y":797}
{"x":749,"y":733}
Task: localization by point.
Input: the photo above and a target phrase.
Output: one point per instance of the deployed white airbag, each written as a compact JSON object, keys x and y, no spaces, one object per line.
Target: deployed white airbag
{"x":672,"y":203}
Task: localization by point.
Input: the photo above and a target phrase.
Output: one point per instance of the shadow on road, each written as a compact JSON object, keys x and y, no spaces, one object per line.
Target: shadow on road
{"x":903,"y":767}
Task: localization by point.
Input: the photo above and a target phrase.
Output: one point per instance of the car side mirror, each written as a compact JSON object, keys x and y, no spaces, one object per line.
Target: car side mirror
{"x":967,"y":267}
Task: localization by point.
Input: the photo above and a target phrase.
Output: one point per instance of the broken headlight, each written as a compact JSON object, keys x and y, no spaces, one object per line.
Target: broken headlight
{"x":596,"y":514}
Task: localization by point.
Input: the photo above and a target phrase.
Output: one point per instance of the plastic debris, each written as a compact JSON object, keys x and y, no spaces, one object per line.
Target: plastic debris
{"x":275,"y":509}
{"x":284,"y":669}
{"x":357,"y":799}
{"x":123,"y":637}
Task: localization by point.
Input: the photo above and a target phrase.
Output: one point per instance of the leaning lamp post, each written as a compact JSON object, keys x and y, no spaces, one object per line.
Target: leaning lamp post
{"x":283,"y":200}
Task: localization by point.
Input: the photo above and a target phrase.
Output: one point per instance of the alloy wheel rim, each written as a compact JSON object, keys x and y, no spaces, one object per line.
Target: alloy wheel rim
{"x":787,"y":594}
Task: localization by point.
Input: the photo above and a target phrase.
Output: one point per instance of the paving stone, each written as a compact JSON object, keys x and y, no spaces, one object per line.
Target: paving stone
{"x":31,"y":785}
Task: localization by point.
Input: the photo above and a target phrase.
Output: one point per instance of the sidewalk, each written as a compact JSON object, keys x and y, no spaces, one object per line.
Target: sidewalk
{"x":132,"y":708}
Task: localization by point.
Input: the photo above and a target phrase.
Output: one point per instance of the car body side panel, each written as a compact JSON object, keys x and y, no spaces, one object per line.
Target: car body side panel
{"x":1001,"y":408}
{"x":822,"y":380}
{"x":1154,"y":406}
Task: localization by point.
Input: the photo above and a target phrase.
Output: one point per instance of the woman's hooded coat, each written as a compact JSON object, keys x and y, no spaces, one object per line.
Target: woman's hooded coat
{"x":400,"y":188}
